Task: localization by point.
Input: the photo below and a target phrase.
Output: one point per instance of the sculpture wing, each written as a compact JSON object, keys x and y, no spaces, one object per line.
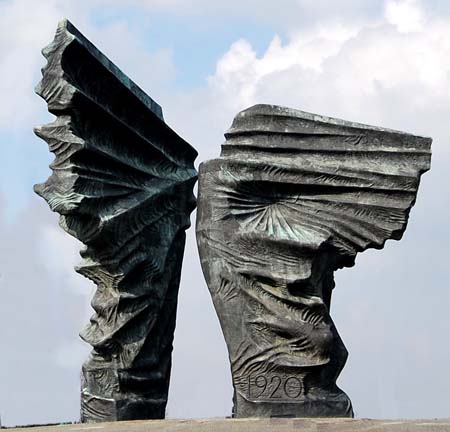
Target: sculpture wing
{"x":122,"y":182}
{"x":293,"y":197}
{"x":350,"y":184}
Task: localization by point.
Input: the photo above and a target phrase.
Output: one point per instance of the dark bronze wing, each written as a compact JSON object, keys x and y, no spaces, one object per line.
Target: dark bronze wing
{"x":122,"y":182}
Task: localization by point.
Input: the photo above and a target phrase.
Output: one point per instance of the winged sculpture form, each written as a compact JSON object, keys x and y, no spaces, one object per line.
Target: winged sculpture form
{"x":122,"y":183}
{"x":293,"y":197}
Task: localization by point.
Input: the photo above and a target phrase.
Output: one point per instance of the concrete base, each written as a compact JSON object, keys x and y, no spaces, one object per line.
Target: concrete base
{"x":253,"y":425}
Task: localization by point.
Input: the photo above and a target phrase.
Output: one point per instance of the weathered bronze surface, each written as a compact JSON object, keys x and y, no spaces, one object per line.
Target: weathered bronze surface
{"x":122,"y":182}
{"x":294,"y":197}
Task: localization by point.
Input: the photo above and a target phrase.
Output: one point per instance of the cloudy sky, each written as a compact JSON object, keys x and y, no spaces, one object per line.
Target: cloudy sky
{"x":385,"y":63}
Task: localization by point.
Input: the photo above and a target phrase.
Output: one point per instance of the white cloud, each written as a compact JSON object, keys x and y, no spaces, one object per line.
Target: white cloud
{"x":240,"y":72}
{"x":54,"y":238}
{"x":348,"y":67}
{"x":406,"y":15}
{"x":25,"y":31}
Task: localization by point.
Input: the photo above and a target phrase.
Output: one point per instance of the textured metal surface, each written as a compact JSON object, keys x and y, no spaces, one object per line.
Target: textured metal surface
{"x":258,"y":425}
{"x":122,"y":182}
{"x":294,"y":197}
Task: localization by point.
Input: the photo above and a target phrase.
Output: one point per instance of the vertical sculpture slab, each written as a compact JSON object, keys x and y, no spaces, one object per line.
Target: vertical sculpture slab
{"x":294,"y":197}
{"x":122,"y":182}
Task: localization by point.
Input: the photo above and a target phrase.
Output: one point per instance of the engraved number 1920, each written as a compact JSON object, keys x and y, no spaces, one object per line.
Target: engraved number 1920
{"x":274,"y":387}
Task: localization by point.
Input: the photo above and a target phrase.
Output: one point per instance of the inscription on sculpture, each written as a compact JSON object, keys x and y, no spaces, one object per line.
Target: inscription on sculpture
{"x":293,"y":198}
{"x":274,"y":388}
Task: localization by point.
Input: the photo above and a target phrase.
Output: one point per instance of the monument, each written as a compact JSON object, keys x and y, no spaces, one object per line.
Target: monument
{"x":292,"y":198}
{"x":122,"y":183}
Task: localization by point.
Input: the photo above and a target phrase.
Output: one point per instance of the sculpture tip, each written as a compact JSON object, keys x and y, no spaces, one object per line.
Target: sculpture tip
{"x":64,"y":23}
{"x":38,"y":131}
{"x":39,"y":189}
